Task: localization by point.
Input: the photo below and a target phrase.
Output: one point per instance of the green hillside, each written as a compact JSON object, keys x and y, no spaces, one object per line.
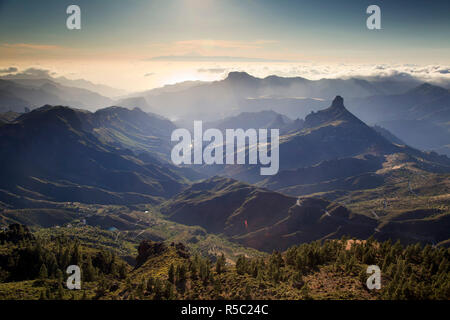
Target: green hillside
{"x":31,"y":267}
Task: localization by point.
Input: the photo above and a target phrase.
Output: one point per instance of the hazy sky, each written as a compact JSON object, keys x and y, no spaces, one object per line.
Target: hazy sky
{"x":136,"y":45}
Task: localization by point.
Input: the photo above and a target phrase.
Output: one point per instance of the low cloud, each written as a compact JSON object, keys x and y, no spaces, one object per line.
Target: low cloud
{"x":31,"y":73}
{"x":149,"y":74}
{"x":9,"y":70}
{"x":212,"y":70}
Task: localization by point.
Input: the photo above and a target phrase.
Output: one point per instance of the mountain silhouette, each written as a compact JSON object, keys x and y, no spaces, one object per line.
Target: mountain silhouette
{"x":419,"y":116}
{"x":243,"y":92}
{"x":17,"y":94}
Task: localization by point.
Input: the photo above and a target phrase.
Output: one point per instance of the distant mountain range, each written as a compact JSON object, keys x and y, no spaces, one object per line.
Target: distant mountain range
{"x":20,"y":94}
{"x":243,"y":92}
{"x":420,"y":116}
{"x":40,"y":75}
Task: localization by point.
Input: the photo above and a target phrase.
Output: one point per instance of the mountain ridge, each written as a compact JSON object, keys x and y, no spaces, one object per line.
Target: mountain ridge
{"x":49,"y":151}
{"x":211,"y":100}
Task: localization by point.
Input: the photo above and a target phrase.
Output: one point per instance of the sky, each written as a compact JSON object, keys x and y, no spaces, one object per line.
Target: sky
{"x":136,"y":45}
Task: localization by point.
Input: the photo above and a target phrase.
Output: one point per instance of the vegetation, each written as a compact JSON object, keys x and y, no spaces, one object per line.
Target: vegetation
{"x":27,"y":259}
{"x":33,"y":266}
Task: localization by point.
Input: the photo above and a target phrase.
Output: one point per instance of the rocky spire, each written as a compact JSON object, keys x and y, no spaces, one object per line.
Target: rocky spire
{"x":338,"y":102}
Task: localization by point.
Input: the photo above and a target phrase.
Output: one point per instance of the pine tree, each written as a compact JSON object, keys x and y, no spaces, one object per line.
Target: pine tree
{"x":247,"y":293}
{"x":171,"y":274}
{"x":65,"y":259}
{"x":255,"y":270}
{"x":59,"y":275}
{"x":194,"y":271}
{"x":181,"y":272}
{"x":89,"y":273}
{"x":158,"y":290}
{"x":204,"y":273}
{"x":43,"y":273}
{"x":52,"y":265}
{"x":220,"y":264}
{"x":76,"y":255}
{"x":241,"y":265}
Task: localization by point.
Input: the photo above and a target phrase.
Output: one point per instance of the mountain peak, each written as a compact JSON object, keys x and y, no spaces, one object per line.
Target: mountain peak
{"x":239,"y":75}
{"x":429,"y":89}
{"x":53,"y":117}
{"x":335,"y":112}
{"x":338,"y":102}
